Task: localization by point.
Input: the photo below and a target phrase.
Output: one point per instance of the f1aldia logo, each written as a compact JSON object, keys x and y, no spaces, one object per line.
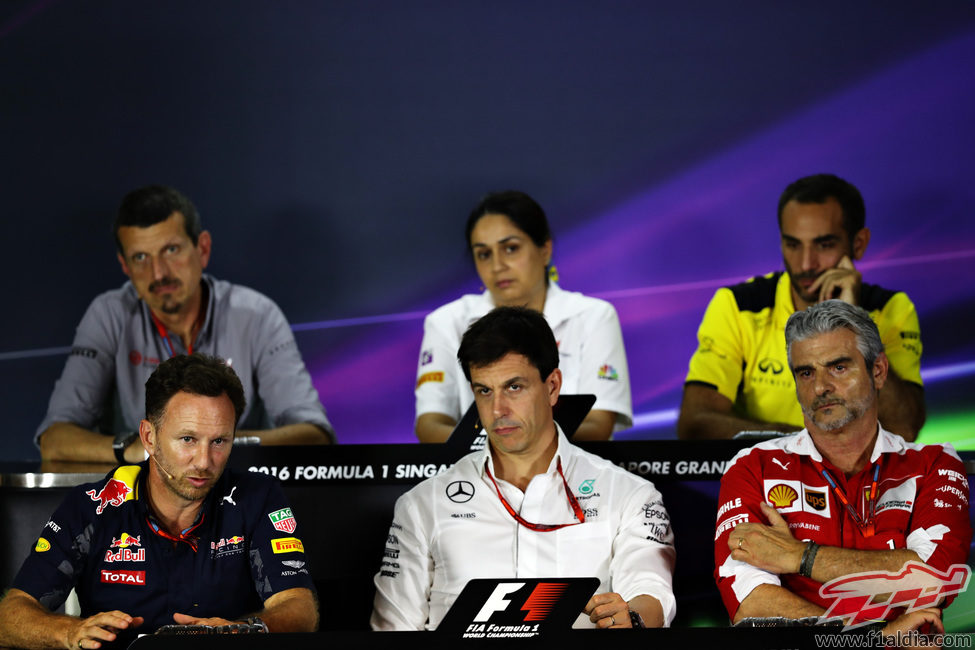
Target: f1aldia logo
{"x":915,"y":587}
{"x":538,"y":605}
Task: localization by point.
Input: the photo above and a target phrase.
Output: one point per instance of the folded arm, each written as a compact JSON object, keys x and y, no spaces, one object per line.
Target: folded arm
{"x":64,"y":441}
{"x":707,"y":414}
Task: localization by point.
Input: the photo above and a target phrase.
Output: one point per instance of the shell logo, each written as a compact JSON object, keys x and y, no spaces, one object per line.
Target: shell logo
{"x":782,"y":496}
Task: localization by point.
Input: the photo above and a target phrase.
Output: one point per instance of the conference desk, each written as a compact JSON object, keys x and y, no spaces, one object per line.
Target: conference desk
{"x":343,"y":496}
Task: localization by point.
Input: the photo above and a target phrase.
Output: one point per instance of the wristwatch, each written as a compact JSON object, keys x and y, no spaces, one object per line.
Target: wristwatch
{"x":636,"y":620}
{"x":122,"y":440}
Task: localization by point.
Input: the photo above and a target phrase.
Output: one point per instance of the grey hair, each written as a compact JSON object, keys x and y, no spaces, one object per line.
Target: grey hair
{"x":829,"y":316}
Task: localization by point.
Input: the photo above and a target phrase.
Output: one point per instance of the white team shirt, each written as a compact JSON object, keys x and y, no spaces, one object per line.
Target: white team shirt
{"x":591,"y":353}
{"x":452,"y":528}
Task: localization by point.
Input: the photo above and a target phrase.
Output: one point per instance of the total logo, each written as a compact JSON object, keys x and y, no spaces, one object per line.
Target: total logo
{"x":137,"y":578}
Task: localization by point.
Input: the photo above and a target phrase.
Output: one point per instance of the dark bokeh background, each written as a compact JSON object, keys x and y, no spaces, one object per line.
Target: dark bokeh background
{"x":335,"y":148}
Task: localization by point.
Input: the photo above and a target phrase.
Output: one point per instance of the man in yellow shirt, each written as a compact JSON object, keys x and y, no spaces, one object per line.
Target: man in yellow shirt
{"x":739,"y":377}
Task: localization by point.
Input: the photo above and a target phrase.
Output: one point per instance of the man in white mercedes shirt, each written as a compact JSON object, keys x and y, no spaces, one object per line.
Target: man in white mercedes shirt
{"x":530,"y":504}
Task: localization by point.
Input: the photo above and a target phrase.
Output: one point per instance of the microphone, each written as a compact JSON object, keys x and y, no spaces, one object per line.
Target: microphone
{"x":161,"y":468}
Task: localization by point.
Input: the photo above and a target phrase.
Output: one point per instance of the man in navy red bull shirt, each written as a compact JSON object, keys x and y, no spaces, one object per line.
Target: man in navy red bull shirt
{"x":172,"y":540}
{"x":841,"y":499}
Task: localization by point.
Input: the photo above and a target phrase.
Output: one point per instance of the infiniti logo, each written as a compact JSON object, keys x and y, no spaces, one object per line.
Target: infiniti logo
{"x":460,"y":491}
{"x":774,"y":365}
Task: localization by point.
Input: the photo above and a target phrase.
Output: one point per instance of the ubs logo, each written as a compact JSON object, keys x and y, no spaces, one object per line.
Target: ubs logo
{"x":460,"y":491}
{"x":771,"y":365}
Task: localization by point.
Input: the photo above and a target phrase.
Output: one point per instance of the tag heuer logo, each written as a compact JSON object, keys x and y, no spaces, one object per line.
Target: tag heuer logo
{"x":283,"y":520}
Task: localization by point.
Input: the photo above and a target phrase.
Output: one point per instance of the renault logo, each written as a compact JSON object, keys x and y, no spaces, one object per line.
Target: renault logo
{"x":460,"y":491}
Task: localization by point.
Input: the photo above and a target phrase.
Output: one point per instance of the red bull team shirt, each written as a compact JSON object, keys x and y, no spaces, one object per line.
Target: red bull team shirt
{"x":244,"y":547}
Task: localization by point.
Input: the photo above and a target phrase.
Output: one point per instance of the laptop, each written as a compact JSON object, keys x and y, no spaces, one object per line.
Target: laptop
{"x":517,"y":607}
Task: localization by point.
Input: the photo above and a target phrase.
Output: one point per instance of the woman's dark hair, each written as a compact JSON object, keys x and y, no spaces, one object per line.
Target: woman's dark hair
{"x":522,"y":209}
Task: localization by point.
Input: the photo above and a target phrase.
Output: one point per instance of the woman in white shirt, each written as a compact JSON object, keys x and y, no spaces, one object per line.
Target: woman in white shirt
{"x":509,"y":239}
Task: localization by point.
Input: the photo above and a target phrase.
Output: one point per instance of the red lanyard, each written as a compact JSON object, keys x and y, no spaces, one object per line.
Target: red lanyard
{"x":186,"y":536}
{"x":164,"y":333}
{"x":542,"y":528}
{"x":866,"y":526}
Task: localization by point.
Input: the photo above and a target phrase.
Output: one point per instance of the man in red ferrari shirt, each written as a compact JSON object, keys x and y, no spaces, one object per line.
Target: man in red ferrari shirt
{"x":843,"y":496}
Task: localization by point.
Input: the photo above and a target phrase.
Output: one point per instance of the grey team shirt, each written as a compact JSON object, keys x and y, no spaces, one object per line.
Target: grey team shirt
{"x":117,"y":347}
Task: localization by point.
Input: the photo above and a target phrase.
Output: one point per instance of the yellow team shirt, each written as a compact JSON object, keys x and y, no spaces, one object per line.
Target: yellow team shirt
{"x":741,"y":344}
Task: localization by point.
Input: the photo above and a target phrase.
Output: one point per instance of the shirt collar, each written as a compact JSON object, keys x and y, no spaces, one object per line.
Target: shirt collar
{"x":886,"y":443}
{"x":562,"y":452}
{"x":783,"y":301}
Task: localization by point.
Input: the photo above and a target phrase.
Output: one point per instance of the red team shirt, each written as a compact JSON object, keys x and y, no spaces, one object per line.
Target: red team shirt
{"x":921,"y":504}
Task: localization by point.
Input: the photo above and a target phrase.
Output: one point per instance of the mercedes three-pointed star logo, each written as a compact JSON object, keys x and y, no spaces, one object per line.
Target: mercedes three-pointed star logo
{"x":460,"y":491}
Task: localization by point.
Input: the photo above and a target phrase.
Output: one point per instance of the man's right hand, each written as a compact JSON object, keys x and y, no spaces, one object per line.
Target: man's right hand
{"x":842,"y":282}
{"x":925,"y":621}
{"x":92,"y":631}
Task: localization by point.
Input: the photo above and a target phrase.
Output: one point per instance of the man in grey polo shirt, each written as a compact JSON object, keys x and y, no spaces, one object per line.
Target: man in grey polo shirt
{"x":170,"y":307}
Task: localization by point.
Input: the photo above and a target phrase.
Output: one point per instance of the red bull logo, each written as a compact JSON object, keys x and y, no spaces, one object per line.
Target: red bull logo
{"x":113,"y":494}
{"x":236,"y":539}
{"x":125,"y":555}
{"x":126,"y":540}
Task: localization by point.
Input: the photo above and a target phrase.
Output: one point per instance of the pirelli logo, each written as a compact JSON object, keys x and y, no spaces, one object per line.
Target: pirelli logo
{"x":287,"y":545}
{"x":429,"y":376}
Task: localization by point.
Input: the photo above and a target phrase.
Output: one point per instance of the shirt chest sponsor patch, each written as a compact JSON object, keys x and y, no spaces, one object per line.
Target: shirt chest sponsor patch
{"x":287,"y":545}
{"x":901,"y":497}
{"x":119,"y":577}
{"x":795,"y":496}
{"x":283,"y":520}
{"x":227,"y":546}
{"x":126,"y":548}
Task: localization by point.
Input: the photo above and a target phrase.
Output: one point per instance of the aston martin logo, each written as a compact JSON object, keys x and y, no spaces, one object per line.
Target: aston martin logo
{"x":460,"y":491}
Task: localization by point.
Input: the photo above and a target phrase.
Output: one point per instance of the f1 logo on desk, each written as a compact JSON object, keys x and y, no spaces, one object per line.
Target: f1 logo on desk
{"x":519,"y":608}
{"x":538,"y":605}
